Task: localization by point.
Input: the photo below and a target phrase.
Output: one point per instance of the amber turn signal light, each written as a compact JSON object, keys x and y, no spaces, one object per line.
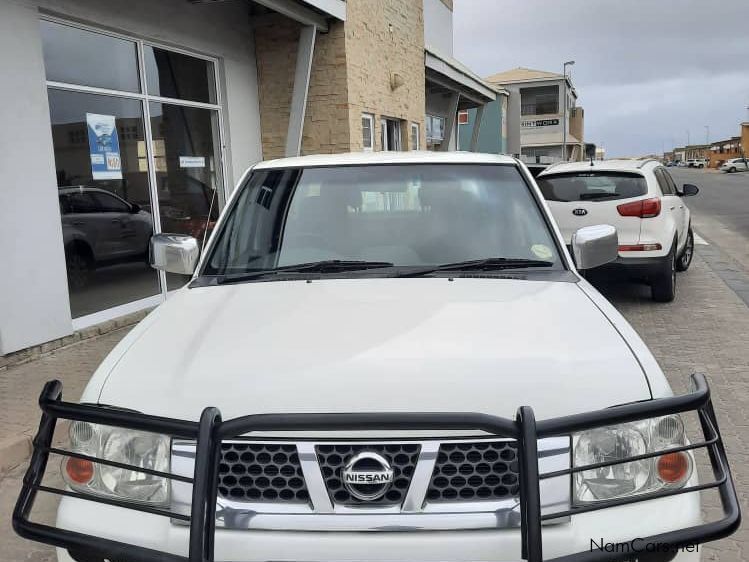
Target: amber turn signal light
{"x":673,"y":468}
{"x":79,"y":471}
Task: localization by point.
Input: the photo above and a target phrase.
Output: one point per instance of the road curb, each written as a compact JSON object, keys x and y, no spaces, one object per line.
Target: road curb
{"x":14,"y":451}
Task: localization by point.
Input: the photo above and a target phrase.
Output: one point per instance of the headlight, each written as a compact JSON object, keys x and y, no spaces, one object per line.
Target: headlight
{"x":644,"y":476}
{"x":136,"y":448}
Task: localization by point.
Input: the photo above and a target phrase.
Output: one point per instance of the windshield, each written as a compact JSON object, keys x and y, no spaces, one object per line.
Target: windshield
{"x":592,"y":186}
{"x":400,"y":215}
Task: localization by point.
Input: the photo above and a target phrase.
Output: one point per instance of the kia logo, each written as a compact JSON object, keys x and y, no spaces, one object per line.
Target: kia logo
{"x":580,"y":212}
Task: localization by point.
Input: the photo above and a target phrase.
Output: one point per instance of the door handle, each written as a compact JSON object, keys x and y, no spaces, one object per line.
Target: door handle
{"x":78,"y":223}
{"x":120,"y":220}
{"x":672,"y":208}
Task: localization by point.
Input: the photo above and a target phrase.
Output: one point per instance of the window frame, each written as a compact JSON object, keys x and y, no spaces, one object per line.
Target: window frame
{"x":371,"y":118}
{"x":415,"y":136}
{"x":145,"y":99}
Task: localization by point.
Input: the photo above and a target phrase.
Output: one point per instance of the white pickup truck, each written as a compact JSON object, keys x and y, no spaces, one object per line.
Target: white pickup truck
{"x":381,"y":357}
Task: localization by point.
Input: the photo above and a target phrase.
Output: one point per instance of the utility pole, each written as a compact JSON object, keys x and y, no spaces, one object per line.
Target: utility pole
{"x":564,"y":121}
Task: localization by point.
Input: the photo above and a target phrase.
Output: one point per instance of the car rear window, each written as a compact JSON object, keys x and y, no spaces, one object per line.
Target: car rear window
{"x":592,"y":186}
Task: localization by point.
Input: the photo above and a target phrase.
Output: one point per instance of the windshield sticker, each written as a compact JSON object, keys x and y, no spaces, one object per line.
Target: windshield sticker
{"x":541,"y":251}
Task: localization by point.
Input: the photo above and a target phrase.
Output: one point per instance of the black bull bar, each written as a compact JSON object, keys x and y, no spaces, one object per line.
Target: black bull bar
{"x":525,"y":429}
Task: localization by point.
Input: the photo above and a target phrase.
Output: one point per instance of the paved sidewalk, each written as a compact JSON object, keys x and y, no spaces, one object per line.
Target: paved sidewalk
{"x":20,"y":386}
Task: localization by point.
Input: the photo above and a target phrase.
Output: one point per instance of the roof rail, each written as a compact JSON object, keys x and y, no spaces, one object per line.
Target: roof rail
{"x":550,"y":166}
{"x":647,"y":161}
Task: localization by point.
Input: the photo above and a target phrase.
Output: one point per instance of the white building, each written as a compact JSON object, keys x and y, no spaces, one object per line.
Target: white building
{"x":542,"y":99}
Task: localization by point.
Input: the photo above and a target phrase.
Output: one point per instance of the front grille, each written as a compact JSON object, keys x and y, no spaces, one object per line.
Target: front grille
{"x":402,"y":458}
{"x":475,"y":471}
{"x":260,"y":472}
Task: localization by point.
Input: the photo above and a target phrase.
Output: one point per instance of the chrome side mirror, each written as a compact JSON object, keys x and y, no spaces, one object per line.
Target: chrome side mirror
{"x":595,"y":245}
{"x":174,"y":253}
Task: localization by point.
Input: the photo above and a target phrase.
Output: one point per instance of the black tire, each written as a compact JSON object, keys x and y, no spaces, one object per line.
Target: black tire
{"x":732,"y":171}
{"x":685,"y":259}
{"x":663,"y":284}
{"x":79,"y":265}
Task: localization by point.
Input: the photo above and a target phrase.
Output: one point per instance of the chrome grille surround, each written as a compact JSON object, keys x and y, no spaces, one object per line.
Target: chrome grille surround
{"x":415,"y":513}
{"x":333,"y":457}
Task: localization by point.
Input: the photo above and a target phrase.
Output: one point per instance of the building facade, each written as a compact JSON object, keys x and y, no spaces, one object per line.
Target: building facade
{"x":124,"y":119}
{"x":735,"y":147}
{"x":543,"y":96}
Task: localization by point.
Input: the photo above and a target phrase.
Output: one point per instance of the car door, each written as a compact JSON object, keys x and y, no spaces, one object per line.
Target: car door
{"x":82,"y":215}
{"x":122,"y":236}
{"x":673,"y":204}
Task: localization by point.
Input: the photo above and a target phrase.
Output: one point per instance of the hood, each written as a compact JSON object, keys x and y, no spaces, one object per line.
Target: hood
{"x":358,"y":345}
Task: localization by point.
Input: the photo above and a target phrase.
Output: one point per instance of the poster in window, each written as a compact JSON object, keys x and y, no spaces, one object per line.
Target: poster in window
{"x":104,"y":147}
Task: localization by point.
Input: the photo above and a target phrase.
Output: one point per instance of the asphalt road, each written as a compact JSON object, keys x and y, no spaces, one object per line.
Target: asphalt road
{"x":720,"y":212}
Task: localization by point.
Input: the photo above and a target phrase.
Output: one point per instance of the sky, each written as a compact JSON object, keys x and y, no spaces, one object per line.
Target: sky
{"x":646,"y":72}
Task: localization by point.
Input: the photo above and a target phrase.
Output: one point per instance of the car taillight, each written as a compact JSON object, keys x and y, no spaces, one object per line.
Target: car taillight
{"x":644,"y":208}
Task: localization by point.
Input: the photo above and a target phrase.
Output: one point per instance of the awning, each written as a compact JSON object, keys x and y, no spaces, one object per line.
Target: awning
{"x":446,"y":72}
{"x":549,"y":139}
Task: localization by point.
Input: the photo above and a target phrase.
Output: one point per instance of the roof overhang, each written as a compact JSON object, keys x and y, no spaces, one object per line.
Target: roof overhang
{"x":308,"y":12}
{"x":446,"y":72}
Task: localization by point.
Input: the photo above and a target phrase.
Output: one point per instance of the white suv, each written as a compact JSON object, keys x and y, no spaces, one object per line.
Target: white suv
{"x":735,"y":165}
{"x":641,"y":200}
{"x":355,"y":372}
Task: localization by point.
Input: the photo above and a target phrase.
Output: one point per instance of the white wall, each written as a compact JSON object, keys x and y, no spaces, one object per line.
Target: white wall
{"x":33,"y":284}
{"x":438,"y":26}
{"x":33,"y":287}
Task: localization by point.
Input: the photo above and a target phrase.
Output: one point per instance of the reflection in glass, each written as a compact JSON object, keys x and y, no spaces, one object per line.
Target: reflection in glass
{"x":106,"y":223}
{"x":188,"y":171}
{"x":174,"y":75}
{"x":86,"y":58}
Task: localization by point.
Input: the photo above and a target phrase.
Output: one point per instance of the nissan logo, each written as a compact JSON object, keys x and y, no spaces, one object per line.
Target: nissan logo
{"x":579,"y":212}
{"x":367,"y":476}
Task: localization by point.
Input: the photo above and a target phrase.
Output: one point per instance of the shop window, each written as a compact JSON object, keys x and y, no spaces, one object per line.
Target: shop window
{"x":178,"y":76}
{"x":435,"y":129}
{"x":187,"y":183}
{"x":117,"y":186}
{"x":85,"y":58}
{"x":414,"y":136}
{"x":367,"y":128}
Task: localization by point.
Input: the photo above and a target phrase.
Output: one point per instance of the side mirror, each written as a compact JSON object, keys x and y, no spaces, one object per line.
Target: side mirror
{"x":590,"y":151}
{"x":134,"y":208}
{"x":595,"y":245}
{"x":689,"y":190}
{"x":174,"y":253}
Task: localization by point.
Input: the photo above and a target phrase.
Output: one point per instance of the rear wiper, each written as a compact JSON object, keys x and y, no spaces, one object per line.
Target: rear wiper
{"x":325,"y":266}
{"x":589,"y":196}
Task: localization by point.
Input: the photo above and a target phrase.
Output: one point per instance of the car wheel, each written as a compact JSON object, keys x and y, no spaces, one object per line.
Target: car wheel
{"x":79,"y":269}
{"x":663,"y":285}
{"x":732,"y":170}
{"x":685,"y":259}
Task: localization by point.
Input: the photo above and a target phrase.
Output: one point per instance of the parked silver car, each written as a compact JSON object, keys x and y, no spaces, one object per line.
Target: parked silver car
{"x":100,"y":227}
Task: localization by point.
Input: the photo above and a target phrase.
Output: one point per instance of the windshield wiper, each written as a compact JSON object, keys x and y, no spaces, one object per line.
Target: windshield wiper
{"x":485,"y":264}
{"x":488,"y":264}
{"x":324,"y":266}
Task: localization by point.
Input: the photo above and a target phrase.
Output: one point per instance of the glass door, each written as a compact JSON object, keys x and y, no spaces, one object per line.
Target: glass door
{"x":188,"y":172}
{"x":137,"y":141}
